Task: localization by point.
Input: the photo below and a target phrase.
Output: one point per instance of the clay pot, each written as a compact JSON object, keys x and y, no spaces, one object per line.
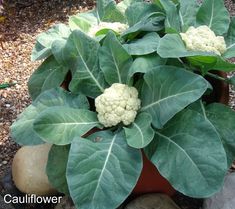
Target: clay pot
{"x":220,"y":92}
{"x":151,"y":181}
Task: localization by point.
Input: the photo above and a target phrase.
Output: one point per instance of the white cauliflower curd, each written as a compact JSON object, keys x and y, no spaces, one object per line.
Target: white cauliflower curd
{"x":118,"y":103}
{"x":115,"y":26}
{"x":204,"y":39}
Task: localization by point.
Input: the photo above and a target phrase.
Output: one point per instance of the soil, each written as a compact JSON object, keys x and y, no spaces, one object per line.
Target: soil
{"x":20,"y":23}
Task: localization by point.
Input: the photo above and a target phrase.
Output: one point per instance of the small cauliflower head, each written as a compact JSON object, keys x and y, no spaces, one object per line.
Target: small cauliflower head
{"x":118,"y":103}
{"x":115,"y":26}
{"x":203,"y":39}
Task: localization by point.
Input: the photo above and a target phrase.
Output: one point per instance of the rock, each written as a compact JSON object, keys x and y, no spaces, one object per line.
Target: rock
{"x":152,"y":201}
{"x":29,"y":170}
{"x":65,"y":203}
{"x":5,"y":205}
{"x":224,"y":199}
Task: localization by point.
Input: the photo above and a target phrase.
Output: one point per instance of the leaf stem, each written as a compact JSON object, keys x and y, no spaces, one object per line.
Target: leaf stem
{"x":216,"y":77}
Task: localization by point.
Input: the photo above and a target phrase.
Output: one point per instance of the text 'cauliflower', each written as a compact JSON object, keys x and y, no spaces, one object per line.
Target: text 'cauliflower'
{"x":118,"y":103}
{"x":203,"y":39}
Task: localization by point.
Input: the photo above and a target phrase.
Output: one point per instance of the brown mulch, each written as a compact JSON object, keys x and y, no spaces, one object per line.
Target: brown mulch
{"x":22,"y":21}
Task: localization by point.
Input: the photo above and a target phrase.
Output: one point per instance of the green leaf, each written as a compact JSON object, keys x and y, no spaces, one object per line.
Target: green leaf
{"x":222,"y":118}
{"x":115,"y":62}
{"x":123,"y":5}
{"x":42,"y":48}
{"x":83,"y":21}
{"x":60,"y":97}
{"x":108,"y":11}
{"x":214,"y":14}
{"x":139,"y":134}
{"x":187,"y":12}
{"x":98,"y":166}
{"x":168,"y":90}
{"x":138,"y":10}
{"x":172,"y":15}
{"x":207,"y":63}
{"x":189,"y":153}
{"x":81,"y":54}
{"x":59,"y":125}
{"x":145,"y":45}
{"x":172,"y":46}
{"x":50,"y":74}
{"x":56,"y":167}
{"x":144,"y":64}
{"x":152,"y":22}
{"x":230,"y":40}
{"x":22,"y":129}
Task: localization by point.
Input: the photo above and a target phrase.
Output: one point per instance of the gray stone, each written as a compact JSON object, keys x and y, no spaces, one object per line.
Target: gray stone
{"x":225,"y":199}
{"x":152,"y":201}
{"x":4,"y":205}
{"x":65,"y":203}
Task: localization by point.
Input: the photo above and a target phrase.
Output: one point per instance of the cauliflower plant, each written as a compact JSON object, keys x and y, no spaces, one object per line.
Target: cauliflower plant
{"x":115,"y":26}
{"x":204,"y":39}
{"x":118,"y":103}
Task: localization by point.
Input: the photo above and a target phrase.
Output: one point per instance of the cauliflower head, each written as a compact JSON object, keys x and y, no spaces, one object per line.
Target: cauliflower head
{"x":118,"y":103}
{"x":204,"y":39}
{"x":115,"y":26}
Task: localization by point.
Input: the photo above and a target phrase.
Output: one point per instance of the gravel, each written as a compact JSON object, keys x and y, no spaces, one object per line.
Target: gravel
{"x":20,"y":23}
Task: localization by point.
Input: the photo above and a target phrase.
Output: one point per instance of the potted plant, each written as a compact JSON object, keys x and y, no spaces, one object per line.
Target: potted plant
{"x":135,"y":78}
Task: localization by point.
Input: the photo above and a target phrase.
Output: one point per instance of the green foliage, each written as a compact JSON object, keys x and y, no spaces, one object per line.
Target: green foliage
{"x":191,"y":144}
{"x":94,"y":162}
{"x":168,"y":90}
{"x":180,"y":152}
{"x":214,"y":14}
{"x":115,"y":62}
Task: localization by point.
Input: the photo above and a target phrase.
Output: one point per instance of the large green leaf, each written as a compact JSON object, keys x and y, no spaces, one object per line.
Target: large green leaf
{"x":145,"y":45}
{"x":59,"y":125}
{"x":56,"y":167}
{"x":189,"y":153}
{"x":172,"y":15}
{"x":108,"y":11}
{"x":50,"y":74}
{"x":230,"y":40}
{"x":60,"y":97}
{"x":222,"y":118}
{"x":140,"y":133}
{"x":22,"y":129}
{"x":114,"y":60}
{"x":151,"y":22}
{"x":42,"y":47}
{"x":138,"y":10}
{"x":214,"y":14}
{"x":81,"y":54}
{"x":144,"y":64}
{"x":99,"y":166}
{"x":83,"y":21}
{"x":187,"y":12}
{"x":167,"y":90}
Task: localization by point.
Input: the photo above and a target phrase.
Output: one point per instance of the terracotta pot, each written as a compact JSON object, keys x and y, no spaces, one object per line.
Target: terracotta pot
{"x":151,"y":181}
